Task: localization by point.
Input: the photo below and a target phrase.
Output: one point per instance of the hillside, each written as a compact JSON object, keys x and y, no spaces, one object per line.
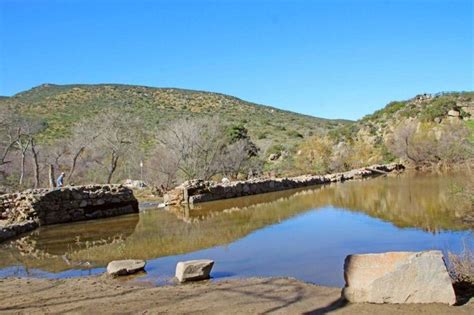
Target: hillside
{"x":108,"y":133}
{"x":425,"y":131}
{"x":437,"y":109}
{"x":434,"y":111}
{"x":63,"y":105}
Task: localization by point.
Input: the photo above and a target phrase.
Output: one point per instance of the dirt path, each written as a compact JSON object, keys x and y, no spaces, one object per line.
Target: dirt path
{"x":101,"y":295}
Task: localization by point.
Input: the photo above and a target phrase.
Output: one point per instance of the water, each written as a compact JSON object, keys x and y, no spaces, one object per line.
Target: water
{"x":305,"y":234}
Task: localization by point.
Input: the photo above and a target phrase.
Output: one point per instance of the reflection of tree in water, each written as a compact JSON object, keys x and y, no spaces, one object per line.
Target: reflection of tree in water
{"x":424,"y":202}
{"x":51,"y":248}
{"x":427,"y":202}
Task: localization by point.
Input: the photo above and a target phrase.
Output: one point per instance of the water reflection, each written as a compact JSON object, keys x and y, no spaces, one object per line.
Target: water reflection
{"x":426,"y":203}
{"x":50,"y":248}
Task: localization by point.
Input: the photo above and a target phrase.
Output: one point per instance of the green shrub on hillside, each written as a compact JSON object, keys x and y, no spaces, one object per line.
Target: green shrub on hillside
{"x":410,"y":111}
{"x":437,"y":108}
{"x":394,"y":107}
{"x":470,"y":126}
{"x":294,"y":134}
{"x":237,"y":132}
{"x":390,"y":109}
{"x":464,"y":114}
{"x":344,"y":133}
{"x":276,"y":148}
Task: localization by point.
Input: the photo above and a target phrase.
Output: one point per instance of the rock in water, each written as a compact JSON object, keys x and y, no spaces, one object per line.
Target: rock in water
{"x":125,"y":267}
{"x":194,"y":270}
{"x":398,"y":277}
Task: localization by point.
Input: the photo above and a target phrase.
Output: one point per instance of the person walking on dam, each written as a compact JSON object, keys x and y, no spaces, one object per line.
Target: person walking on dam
{"x":60,"y":180}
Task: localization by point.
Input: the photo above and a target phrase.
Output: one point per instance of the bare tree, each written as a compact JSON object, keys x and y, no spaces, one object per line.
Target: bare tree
{"x":36,"y":168}
{"x":18,"y":134}
{"x":239,"y":157}
{"x":117,"y":135}
{"x":23,"y":134}
{"x":430,"y":143}
{"x":202,"y":148}
{"x":8,"y":134}
{"x":54,"y":156}
{"x":162,"y":168}
{"x":234,"y":158}
{"x":51,"y":179}
{"x":401,"y":142}
{"x":23,"y":143}
{"x":195,"y":145}
{"x":84,"y":136}
{"x":340,"y":157}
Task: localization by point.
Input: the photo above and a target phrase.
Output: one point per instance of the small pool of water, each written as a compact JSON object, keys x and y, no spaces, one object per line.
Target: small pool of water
{"x":305,"y":234}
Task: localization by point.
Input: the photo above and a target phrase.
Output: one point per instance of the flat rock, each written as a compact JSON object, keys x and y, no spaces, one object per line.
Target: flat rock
{"x":125,"y":267}
{"x":194,"y":270}
{"x":398,"y":277}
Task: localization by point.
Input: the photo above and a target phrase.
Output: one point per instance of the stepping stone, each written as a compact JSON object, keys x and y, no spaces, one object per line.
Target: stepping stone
{"x":194,"y":270}
{"x":125,"y":267}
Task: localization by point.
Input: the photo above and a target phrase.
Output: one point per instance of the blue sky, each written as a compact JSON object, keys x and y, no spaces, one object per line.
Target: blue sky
{"x":334,"y":58}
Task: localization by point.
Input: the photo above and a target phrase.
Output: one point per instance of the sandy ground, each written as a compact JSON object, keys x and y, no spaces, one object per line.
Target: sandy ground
{"x":102,"y":295}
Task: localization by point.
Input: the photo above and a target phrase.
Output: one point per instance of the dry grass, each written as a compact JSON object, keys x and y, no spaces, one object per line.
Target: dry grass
{"x":461,"y":266}
{"x":461,"y":269}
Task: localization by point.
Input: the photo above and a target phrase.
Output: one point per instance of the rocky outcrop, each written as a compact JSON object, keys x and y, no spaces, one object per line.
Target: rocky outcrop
{"x":125,"y":267}
{"x":194,"y":270}
{"x":454,"y":113}
{"x":398,"y":277}
{"x":69,"y":204}
{"x":470,"y":111}
{"x":196,"y":191}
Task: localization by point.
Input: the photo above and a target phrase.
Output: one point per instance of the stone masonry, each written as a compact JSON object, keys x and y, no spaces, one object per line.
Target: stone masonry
{"x":24,"y":211}
{"x":196,"y":191}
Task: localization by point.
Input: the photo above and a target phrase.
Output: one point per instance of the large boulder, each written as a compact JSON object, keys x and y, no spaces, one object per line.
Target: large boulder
{"x":125,"y":267}
{"x":194,"y":270}
{"x":398,"y":277}
{"x":454,"y":113}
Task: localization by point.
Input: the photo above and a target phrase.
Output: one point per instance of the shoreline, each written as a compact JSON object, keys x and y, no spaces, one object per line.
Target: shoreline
{"x":102,"y":294}
{"x":25,"y":211}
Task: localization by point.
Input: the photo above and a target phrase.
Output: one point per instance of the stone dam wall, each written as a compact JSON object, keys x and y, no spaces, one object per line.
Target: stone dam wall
{"x":196,"y":191}
{"x":24,"y":211}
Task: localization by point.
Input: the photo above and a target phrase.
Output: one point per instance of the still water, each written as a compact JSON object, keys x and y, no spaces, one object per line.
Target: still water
{"x":304,"y":233}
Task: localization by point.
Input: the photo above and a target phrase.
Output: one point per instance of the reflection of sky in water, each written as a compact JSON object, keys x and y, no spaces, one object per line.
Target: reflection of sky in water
{"x":310,"y":247}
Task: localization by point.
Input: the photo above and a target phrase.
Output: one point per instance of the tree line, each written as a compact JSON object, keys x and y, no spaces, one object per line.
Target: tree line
{"x":114,"y":145}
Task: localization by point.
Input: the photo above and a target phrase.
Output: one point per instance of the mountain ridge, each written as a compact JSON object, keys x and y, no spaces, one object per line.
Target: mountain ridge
{"x":184,"y":90}
{"x":62,"y":106}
